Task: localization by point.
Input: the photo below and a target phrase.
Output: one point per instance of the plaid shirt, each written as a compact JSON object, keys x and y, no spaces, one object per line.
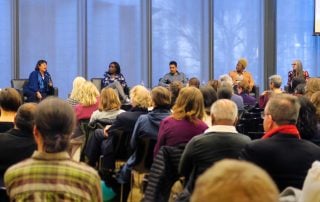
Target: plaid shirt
{"x":52,"y":177}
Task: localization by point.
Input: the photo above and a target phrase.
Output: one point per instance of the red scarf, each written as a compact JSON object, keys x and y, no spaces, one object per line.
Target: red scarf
{"x":284,"y":129}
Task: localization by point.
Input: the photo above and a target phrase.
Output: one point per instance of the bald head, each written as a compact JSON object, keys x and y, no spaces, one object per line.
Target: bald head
{"x":224,"y":111}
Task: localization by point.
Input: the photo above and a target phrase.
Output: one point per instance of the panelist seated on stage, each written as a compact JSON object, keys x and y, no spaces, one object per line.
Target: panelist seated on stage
{"x":173,"y":75}
{"x":241,"y":75}
{"x":297,"y":72}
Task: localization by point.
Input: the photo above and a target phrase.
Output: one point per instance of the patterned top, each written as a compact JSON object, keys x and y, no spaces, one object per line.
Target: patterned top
{"x":52,"y":177}
{"x":291,"y":75}
{"x":108,"y":78}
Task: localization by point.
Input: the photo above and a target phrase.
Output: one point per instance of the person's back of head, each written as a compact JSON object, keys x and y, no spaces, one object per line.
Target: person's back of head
{"x":235,"y":181}
{"x":194,"y":82}
{"x":215,"y":84}
{"x":224,"y":111}
{"x":225,"y":78}
{"x":315,"y":99}
{"x":161,"y":97}
{"x":140,"y":97}
{"x":88,"y":94}
{"x":76,"y":87}
{"x":275,"y":80}
{"x":54,"y":123}
{"x":283,"y":108}
{"x":224,"y":93}
{"x":174,"y":89}
{"x":109,"y":100}
{"x":209,"y":96}
{"x":24,"y":119}
{"x":10,"y":99}
{"x":244,"y":85}
{"x":189,"y":105}
{"x":300,"y":89}
{"x":312,"y":86}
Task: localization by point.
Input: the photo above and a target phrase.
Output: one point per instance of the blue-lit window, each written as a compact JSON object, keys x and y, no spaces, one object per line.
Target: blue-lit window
{"x":238,"y":32}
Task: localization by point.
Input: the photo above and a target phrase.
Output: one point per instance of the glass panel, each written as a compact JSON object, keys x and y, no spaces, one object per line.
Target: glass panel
{"x":6,"y":43}
{"x":295,"y":38}
{"x":115,"y":34}
{"x":238,"y":32}
{"x":48,"y":30}
{"x":180,"y":32}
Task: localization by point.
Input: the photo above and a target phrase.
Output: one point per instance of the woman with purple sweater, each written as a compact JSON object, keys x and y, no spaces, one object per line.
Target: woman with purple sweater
{"x":185,"y":121}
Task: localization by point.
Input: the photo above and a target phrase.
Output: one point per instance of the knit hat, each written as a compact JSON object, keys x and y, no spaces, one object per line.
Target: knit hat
{"x":243,"y":61}
{"x":311,"y":186}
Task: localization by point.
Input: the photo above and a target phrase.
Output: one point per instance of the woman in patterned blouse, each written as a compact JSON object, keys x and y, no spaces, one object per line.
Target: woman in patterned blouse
{"x":297,"y":72}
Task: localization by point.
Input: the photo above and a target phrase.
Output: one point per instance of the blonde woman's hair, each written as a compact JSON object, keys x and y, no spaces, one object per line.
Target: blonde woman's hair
{"x":140,"y":97}
{"x":77,"y":82}
{"x":315,"y":99}
{"x":189,"y":105}
{"x":109,"y":100}
{"x":235,"y":181}
{"x":161,"y":97}
{"x":88,"y":94}
{"x":312,"y":86}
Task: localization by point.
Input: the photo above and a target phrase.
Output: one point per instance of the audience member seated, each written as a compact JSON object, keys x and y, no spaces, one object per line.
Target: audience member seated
{"x":40,"y":84}
{"x":315,"y":99}
{"x":312,"y":86}
{"x":209,"y":97}
{"x":215,"y":84}
{"x":281,"y":151}
{"x":147,"y":125}
{"x":109,"y":106}
{"x":114,"y":79}
{"x":310,"y":191}
{"x":224,"y":93}
{"x":173,"y":75}
{"x":241,"y":75}
{"x":88,"y":101}
{"x":300,"y":89}
{"x":185,"y":122}
{"x":295,"y":82}
{"x":219,"y":141}
{"x":10,"y":101}
{"x":194,"y":82}
{"x":18,"y":143}
{"x":174,"y":89}
{"x":243,"y":91}
{"x":235,"y":181}
{"x":275,"y":82}
{"x":226,"y":81}
{"x":296,"y":72}
{"x":50,"y":174}
{"x":101,"y":142}
{"x":307,"y":121}
{"x":74,"y":97}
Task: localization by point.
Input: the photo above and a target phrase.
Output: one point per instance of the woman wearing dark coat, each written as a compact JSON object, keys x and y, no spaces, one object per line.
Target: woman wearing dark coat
{"x":40,"y":84}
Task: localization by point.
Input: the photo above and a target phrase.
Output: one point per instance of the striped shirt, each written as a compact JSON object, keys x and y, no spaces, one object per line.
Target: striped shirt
{"x":52,"y":177}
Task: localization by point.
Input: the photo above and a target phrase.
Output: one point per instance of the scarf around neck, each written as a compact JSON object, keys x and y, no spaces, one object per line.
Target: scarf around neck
{"x":284,"y":129}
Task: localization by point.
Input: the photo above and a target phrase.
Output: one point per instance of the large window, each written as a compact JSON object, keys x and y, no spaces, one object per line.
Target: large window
{"x":6,"y":43}
{"x":115,"y":34}
{"x":238,"y":32}
{"x":295,"y":38}
{"x":48,"y":30}
{"x":180,"y":33}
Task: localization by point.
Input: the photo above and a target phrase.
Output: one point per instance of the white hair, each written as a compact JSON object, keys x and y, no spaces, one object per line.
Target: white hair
{"x":226,"y":78}
{"x":224,"y":109}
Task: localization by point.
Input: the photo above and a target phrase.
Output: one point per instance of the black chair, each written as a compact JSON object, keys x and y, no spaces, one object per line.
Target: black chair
{"x":97,"y":82}
{"x":3,"y":195}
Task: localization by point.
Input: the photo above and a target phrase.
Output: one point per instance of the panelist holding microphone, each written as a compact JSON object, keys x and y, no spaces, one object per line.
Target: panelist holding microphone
{"x":40,"y":83}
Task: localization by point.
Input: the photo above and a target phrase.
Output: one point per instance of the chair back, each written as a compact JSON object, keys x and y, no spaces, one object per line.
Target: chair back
{"x":144,"y":154}
{"x":18,"y":83}
{"x":97,"y":82}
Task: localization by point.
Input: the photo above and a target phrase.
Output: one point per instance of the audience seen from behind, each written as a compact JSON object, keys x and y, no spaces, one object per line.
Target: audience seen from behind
{"x":173,"y":75}
{"x":209,"y":97}
{"x":40,"y":84}
{"x":50,"y":174}
{"x":174,"y":89}
{"x":215,"y":84}
{"x":74,"y":97}
{"x":243,"y":91}
{"x":235,"y":181}
{"x":102,"y":141}
{"x":241,"y":75}
{"x":226,"y":81}
{"x":147,"y":126}
{"x":185,"y":121}
{"x":275,"y":82}
{"x":219,"y":141}
{"x":281,"y":151}
{"x":315,"y":99}
{"x":17,"y":143}
{"x":10,"y":101}
{"x":194,"y":81}
{"x":312,"y":86}
{"x":307,"y":121}
{"x":109,"y":106}
{"x":114,"y":79}
{"x":296,"y":72}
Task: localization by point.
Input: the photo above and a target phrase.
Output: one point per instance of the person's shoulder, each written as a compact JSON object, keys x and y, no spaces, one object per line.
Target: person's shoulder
{"x":24,"y":164}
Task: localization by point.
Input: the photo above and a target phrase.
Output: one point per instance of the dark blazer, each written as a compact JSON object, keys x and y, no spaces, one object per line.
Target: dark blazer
{"x":285,"y":157}
{"x":203,"y":150}
{"x":15,"y":146}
